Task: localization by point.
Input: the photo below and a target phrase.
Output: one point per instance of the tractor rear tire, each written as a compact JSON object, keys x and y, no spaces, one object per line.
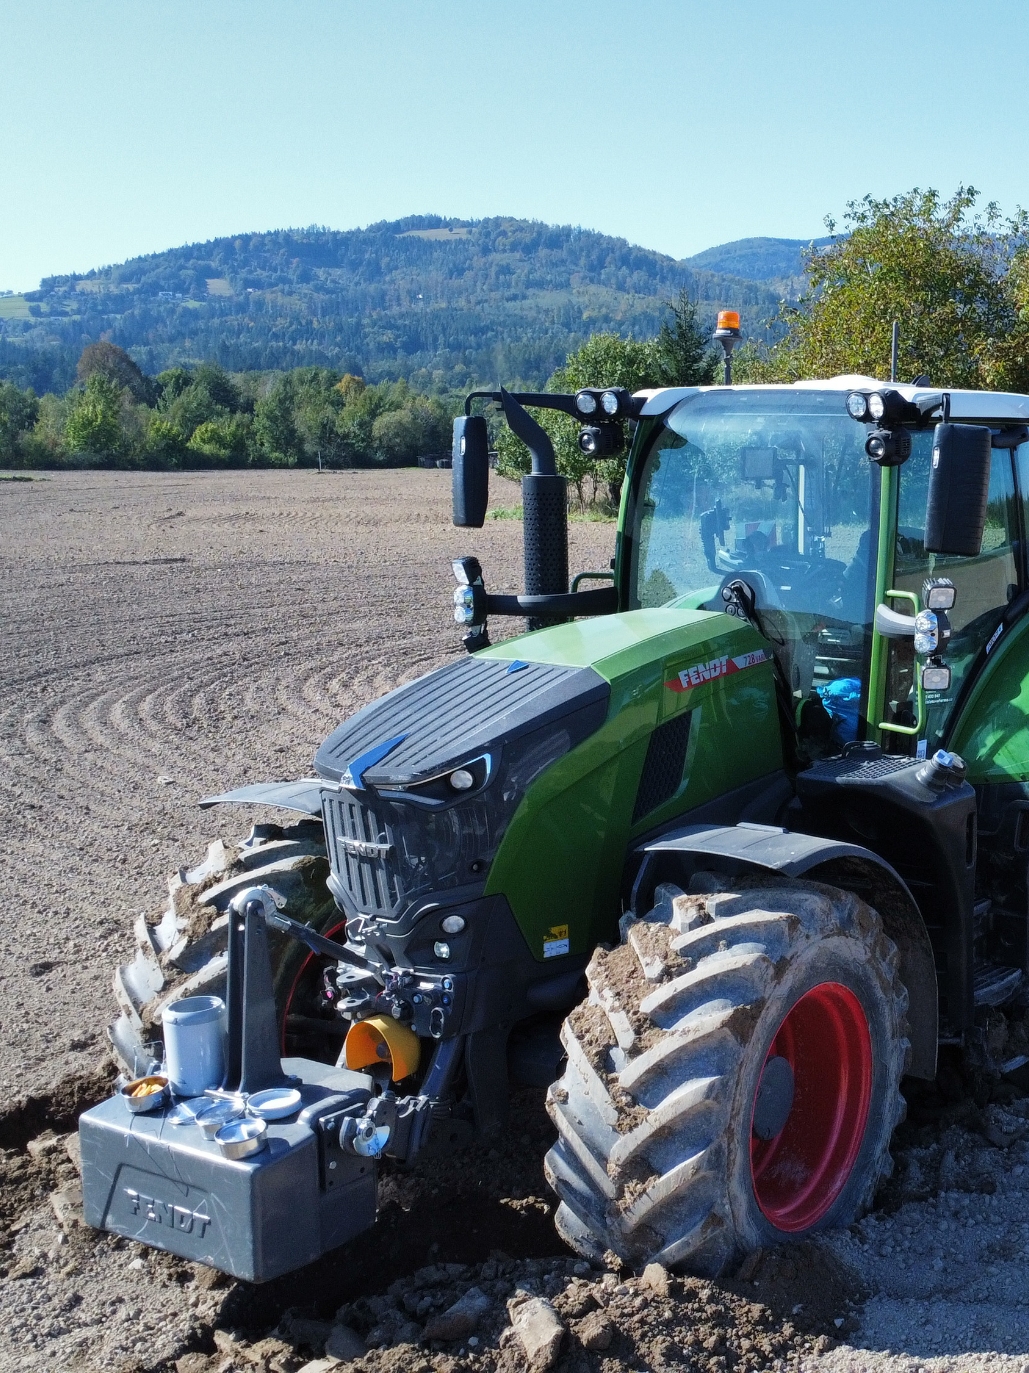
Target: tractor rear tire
{"x":733,"y":1078}
{"x":182,"y":953}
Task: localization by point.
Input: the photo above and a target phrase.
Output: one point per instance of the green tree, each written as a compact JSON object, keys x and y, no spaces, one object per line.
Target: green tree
{"x":19,"y":411}
{"x":163,"y":444}
{"x":317,"y":401}
{"x":275,"y":432}
{"x":215,"y":383}
{"x":171,"y":384}
{"x":94,"y":424}
{"x":222,"y":442}
{"x":1005,"y":364}
{"x":684,"y":353}
{"x":933,"y":264}
{"x":45,"y":445}
{"x":193,"y":406}
{"x":603,"y":360}
{"x":401,"y":436}
{"x":356,"y":421}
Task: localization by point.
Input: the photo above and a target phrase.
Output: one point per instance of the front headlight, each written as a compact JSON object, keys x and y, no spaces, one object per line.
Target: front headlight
{"x":464,"y":605}
{"x":927,"y":632}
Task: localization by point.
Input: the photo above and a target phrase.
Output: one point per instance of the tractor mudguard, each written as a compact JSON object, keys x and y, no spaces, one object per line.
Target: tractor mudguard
{"x":732,"y":849}
{"x":304,"y":796}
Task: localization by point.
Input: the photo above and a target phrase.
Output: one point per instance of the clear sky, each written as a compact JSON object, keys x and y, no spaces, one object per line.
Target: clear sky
{"x":128,"y":126}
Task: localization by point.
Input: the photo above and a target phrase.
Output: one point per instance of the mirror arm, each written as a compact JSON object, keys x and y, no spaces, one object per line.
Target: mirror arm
{"x":891,"y":624}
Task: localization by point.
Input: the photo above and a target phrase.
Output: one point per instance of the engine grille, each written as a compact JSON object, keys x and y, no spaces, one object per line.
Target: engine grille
{"x":362,"y":856}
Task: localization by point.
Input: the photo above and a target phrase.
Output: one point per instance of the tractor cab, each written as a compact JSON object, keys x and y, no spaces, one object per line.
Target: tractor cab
{"x":772,"y":504}
{"x":760,"y":502}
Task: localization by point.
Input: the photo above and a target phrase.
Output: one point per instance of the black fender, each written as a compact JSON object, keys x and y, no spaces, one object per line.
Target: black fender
{"x":732,"y":849}
{"x":304,"y":796}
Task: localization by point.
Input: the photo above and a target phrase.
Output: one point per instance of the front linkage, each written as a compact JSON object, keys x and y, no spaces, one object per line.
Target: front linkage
{"x":154,"y":1177}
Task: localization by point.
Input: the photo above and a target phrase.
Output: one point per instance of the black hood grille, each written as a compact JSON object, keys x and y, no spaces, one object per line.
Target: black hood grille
{"x":363,"y":856}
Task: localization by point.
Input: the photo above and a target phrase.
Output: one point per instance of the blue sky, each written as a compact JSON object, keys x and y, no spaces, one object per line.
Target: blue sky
{"x":126,"y":128}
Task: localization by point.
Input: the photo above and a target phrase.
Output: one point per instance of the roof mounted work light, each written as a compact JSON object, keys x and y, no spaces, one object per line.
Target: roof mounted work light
{"x":887,"y":408}
{"x":608,"y":403}
{"x":601,"y":440}
{"x":889,"y":447}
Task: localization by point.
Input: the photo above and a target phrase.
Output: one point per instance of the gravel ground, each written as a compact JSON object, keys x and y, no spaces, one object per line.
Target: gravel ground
{"x":168,"y":635}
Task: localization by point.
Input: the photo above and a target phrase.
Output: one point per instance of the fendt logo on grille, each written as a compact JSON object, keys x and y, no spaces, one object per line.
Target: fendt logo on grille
{"x":158,"y":1212}
{"x":700,"y":673}
{"x":365,"y":848}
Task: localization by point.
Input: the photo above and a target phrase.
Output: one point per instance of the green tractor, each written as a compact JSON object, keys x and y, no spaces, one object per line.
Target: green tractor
{"x":718,"y":851}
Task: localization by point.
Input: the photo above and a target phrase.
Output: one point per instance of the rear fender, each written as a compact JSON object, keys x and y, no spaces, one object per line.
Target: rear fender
{"x":735,"y":849}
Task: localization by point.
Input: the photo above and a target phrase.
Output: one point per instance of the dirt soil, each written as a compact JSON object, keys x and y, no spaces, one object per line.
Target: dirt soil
{"x":166,"y":636}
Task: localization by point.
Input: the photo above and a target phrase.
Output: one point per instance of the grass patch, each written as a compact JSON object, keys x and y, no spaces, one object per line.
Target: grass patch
{"x":591,"y":515}
{"x":20,"y":477}
{"x":14,"y":307}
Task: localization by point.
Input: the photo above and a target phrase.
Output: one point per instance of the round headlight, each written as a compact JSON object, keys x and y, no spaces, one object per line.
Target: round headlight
{"x":464,"y":605}
{"x":441,"y":949}
{"x":876,"y":406}
{"x":857,"y":406}
{"x":588,"y":442}
{"x":452,"y":924}
{"x":875,"y":447}
{"x":927,"y":632}
{"x":585,"y":403}
{"x":609,"y":403}
{"x":462,"y":779}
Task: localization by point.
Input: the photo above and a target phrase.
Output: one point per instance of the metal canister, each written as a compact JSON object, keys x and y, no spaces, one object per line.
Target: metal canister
{"x":194,"y":1044}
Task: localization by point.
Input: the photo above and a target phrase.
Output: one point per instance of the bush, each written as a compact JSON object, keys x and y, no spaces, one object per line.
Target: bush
{"x":223,"y":442}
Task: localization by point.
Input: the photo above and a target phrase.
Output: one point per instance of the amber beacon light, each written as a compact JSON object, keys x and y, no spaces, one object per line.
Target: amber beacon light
{"x":728,"y":334}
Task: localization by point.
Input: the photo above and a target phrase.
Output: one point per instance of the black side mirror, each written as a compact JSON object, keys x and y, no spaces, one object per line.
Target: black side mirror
{"x":470,"y":471}
{"x":959,"y":487}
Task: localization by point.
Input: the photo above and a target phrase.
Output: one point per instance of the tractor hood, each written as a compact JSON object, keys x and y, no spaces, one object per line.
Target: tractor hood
{"x":470,"y":707}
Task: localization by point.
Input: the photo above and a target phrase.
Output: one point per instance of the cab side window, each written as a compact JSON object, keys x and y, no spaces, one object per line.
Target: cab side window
{"x":985,"y":584}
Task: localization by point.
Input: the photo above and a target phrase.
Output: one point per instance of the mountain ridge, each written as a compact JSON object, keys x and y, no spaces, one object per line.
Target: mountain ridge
{"x":443,"y":301}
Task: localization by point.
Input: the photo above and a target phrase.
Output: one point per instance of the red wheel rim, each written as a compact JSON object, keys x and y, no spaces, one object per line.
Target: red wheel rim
{"x":294,"y":985}
{"x":799,"y":1173}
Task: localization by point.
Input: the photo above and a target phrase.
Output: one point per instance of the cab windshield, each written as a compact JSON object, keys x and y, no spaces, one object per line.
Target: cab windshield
{"x":770,"y":488}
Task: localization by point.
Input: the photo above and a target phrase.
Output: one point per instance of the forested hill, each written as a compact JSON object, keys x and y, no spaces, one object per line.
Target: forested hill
{"x":441,"y":302}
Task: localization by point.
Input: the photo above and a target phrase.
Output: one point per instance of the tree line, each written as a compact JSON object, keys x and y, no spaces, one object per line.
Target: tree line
{"x":204,"y":417}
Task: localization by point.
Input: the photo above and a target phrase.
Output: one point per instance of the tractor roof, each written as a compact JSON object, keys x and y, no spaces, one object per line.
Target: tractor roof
{"x":964,"y":405}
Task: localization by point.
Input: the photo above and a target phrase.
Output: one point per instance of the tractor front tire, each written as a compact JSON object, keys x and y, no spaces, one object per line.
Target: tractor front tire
{"x":732,"y":1079}
{"x":183,"y":952}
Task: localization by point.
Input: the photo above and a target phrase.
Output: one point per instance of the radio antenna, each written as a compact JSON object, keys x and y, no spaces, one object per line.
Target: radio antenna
{"x":894,"y":349}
